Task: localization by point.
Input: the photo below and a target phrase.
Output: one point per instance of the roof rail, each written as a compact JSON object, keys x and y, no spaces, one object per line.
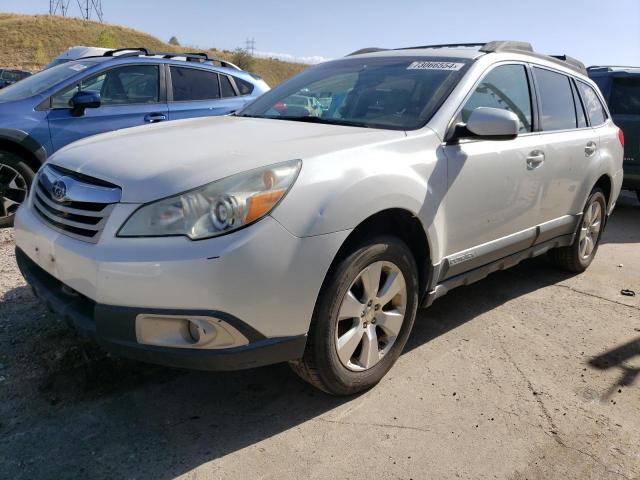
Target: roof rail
{"x":506,"y":46}
{"x":571,"y":62}
{"x":188,"y":56}
{"x":445,"y":45}
{"x":497,"y":46}
{"x":367,"y":50}
{"x":130,"y":52}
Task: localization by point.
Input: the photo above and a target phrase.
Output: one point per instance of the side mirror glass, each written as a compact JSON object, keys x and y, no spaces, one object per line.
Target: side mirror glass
{"x":83,"y":100}
{"x":490,"y":124}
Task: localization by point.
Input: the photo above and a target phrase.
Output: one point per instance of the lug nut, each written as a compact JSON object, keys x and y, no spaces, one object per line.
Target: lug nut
{"x":377,"y":307}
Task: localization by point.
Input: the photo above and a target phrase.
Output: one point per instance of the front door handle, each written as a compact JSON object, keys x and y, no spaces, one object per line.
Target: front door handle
{"x":155,"y":117}
{"x":535,"y":159}
{"x":590,"y":149}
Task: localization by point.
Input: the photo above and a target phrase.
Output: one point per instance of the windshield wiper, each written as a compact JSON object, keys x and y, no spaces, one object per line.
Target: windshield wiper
{"x":325,"y":121}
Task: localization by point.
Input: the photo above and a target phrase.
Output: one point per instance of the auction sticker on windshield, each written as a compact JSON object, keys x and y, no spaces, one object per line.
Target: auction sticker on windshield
{"x":435,"y":66}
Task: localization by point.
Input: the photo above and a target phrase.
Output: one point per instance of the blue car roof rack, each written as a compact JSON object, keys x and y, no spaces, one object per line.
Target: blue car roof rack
{"x":199,"y":57}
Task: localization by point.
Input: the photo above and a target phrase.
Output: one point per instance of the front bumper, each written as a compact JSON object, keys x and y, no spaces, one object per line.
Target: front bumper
{"x":114,"y":328}
{"x":261,"y":280}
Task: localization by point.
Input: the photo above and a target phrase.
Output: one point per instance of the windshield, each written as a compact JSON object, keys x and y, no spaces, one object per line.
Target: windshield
{"x":42,"y":81}
{"x":390,"y":92}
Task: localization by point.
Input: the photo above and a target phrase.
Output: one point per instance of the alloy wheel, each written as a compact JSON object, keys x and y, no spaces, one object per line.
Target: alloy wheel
{"x":371,"y":316}
{"x":590,"y":229}
{"x":13,"y":190}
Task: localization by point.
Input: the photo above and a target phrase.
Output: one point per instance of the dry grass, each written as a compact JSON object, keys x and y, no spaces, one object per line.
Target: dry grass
{"x":30,"y":42}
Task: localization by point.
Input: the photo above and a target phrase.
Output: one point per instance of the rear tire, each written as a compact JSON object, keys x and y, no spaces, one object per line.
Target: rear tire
{"x":15,"y":181}
{"x":363,"y":318}
{"x":638,"y":194}
{"x":579,"y":255}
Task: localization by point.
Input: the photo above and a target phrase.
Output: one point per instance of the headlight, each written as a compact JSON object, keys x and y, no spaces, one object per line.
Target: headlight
{"x":216,"y":208}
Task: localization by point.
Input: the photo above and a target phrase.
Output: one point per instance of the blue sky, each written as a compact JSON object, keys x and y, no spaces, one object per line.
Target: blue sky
{"x":597,"y":32}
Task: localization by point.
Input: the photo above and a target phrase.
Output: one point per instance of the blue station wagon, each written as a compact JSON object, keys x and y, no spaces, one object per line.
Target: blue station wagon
{"x":123,"y":88}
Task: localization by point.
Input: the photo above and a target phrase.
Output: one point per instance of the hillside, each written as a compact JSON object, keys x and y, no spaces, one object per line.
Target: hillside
{"x":30,"y":42}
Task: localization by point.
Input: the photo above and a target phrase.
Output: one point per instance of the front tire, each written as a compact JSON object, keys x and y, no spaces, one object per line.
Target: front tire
{"x":15,"y":180}
{"x":638,"y":194}
{"x":363,"y":318}
{"x":579,"y":255}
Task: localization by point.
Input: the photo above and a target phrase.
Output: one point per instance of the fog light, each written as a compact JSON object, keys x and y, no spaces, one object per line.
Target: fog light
{"x":187,"y":332}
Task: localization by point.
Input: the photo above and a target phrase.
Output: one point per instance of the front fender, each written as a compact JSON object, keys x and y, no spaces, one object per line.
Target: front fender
{"x":340,"y":190}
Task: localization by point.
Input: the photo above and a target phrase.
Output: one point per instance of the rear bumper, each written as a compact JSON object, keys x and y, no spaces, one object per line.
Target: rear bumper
{"x":114,"y":328}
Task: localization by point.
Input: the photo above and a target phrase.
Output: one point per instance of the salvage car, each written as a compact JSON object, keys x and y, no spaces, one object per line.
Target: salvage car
{"x":266,"y":236}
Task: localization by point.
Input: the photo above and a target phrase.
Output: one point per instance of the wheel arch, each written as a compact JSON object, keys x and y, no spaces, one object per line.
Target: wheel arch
{"x":24,"y":145}
{"x":606,"y":184}
{"x":398,"y":222}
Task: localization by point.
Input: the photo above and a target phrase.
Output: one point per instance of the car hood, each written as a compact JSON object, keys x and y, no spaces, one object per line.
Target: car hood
{"x":161,"y":160}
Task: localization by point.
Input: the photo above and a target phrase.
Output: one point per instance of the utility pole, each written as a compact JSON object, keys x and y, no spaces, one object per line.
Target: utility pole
{"x":251,"y":46}
{"x":59,"y":6}
{"x":87,"y":8}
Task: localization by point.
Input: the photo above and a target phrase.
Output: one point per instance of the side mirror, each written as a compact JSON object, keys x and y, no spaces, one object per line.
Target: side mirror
{"x":490,"y":124}
{"x":83,"y":100}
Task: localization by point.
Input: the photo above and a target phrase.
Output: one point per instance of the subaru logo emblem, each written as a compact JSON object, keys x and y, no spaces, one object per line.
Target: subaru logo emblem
{"x":59,"y":190}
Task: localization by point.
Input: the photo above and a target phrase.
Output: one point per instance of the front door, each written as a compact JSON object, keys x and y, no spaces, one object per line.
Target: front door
{"x":130,"y":96}
{"x":494,"y":187}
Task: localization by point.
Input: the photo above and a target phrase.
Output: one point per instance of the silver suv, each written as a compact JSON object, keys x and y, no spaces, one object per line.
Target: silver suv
{"x":313,"y":235}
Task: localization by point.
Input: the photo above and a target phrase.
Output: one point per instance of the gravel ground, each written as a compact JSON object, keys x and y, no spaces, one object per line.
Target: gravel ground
{"x":529,"y":374}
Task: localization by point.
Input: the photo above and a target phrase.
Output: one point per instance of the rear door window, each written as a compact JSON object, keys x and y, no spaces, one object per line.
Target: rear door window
{"x":191,"y":84}
{"x":557,"y":109}
{"x":595,"y":111}
{"x":505,"y":87}
{"x":625,"y":96}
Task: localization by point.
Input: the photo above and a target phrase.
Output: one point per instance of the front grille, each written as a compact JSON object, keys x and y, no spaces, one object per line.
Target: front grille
{"x":81,"y":207}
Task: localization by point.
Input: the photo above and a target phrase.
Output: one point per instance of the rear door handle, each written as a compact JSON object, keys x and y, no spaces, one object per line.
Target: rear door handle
{"x":590,"y":149}
{"x":155,"y":117}
{"x":535,"y":159}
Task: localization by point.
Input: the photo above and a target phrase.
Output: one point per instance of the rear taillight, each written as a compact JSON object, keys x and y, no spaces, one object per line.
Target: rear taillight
{"x":621,"y":136}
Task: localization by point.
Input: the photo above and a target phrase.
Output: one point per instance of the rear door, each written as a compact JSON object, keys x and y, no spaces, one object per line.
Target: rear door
{"x":570,"y":146}
{"x":197,"y":92}
{"x":131,"y":95}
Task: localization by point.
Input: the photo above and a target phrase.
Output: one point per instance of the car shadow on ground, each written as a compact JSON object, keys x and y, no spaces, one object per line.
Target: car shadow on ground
{"x":153,"y":422}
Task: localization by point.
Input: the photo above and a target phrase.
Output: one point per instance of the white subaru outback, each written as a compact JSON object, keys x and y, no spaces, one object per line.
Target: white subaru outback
{"x":311,"y":236}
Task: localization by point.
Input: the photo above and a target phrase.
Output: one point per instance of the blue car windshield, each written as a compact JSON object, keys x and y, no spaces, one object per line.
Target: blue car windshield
{"x":391,"y":92}
{"x":42,"y":81}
